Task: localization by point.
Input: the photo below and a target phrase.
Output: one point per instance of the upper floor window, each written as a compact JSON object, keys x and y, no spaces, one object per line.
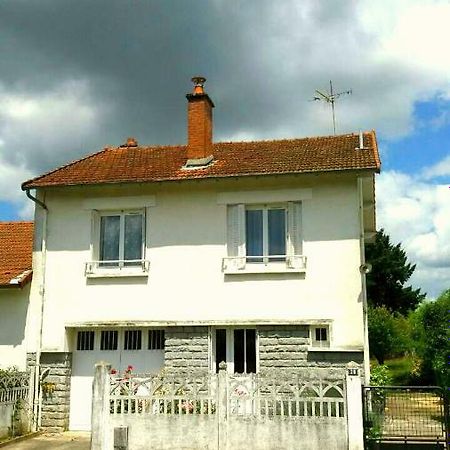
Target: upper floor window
{"x":118,"y":244}
{"x":265,"y":234}
{"x":121,"y":238}
{"x":264,"y":238}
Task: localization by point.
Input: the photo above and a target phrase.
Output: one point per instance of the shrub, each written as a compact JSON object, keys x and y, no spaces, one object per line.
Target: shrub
{"x":431,"y":337}
{"x":379,"y":375}
{"x":381,"y":332}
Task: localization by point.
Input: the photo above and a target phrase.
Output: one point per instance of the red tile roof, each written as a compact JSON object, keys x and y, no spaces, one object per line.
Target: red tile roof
{"x":231,"y":159}
{"x":16,"y":248}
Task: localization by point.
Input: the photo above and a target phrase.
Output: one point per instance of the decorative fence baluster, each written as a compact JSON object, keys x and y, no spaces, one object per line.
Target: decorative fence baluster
{"x":257,"y":395}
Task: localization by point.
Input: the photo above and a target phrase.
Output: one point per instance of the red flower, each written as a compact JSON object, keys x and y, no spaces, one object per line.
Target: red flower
{"x":129,"y":368}
{"x":113,"y":371}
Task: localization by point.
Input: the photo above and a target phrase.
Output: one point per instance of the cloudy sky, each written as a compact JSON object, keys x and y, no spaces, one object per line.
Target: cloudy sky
{"x":78,"y":75}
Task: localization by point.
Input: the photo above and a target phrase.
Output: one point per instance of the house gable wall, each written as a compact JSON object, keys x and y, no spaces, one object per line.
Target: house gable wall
{"x":14,"y":318}
{"x":186,"y":241}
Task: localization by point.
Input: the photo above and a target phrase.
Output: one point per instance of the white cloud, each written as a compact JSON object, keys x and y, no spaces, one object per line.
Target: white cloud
{"x":389,"y":53}
{"x":417,"y":214}
{"x":410,"y":39}
{"x":11,"y":178}
{"x":441,"y":120}
{"x":442,"y":168}
{"x":36,"y":129}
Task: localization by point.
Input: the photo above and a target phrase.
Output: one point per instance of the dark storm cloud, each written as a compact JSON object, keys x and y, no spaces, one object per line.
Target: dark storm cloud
{"x":103,"y":70}
{"x":138,"y":57}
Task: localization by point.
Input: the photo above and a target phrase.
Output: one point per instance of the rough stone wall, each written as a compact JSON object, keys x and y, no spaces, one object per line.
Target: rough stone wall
{"x":283,"y":347}
{"x":186,"y":349}
{"x":56,"y":404}
{"x":31,"y":360}
{"x":286,"y":348}
{"x":333,"y":364}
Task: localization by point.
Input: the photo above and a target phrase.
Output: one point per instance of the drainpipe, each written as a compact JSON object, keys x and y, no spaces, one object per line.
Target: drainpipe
{"x":37,"y":400}
{"x":363,"y":285}
{"x":36,"y":200}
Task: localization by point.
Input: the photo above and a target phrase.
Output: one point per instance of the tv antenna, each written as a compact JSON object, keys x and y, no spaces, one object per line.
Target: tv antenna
{"x":331,"y":98}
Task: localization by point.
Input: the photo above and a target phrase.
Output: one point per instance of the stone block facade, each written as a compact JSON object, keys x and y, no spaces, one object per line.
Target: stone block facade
{"x":186,"y":348}
{"x":56,"y":395}
{"x":283,"y":347}
{"x":287,"y":348}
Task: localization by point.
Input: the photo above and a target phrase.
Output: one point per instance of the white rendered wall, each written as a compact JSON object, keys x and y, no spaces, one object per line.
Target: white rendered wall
{"x":14,"y":312}
{"x":186,"y":240}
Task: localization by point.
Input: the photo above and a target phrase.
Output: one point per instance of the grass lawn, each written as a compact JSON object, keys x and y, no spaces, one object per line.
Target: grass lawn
{"x":399,"y":369}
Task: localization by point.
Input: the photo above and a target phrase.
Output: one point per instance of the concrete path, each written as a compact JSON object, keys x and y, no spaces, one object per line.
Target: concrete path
{"x":63,"y":441}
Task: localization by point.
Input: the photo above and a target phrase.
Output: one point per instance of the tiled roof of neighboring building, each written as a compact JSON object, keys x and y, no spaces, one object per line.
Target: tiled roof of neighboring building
{"x":16,"y":248}
{"x":130,"y":164}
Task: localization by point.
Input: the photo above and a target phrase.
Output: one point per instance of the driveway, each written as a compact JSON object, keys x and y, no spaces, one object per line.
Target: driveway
{"x":62,"y":441}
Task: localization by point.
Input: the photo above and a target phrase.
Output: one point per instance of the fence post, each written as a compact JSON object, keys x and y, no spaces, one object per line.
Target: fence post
{"x":355,"y":428}
{"x":31,"y":425}
{"x":222,"y":406}
{"x":100,"y":437}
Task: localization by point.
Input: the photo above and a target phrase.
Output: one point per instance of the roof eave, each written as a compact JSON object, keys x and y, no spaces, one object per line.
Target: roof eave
{"x":25,"y":278}
{"x":200,"y":178}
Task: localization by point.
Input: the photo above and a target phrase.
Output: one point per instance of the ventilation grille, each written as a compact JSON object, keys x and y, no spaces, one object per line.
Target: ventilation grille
{"x":109,"y":340}
{"x":85,"y":340}
{"x":156,"y":340}
{"x":133,"y":340}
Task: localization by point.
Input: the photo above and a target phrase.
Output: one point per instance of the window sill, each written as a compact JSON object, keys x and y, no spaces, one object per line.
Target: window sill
{"x":115,"y":274}
{"x":240,"y":265}
{"x":333,"y":349}
{"x":254,"y":268}
{"x":94,"y":269}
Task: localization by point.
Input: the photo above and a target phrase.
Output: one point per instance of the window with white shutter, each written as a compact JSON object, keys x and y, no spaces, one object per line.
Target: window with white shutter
{"x":294,"y":244}
{"x":236,"y":236}
{"x":264,"y":238}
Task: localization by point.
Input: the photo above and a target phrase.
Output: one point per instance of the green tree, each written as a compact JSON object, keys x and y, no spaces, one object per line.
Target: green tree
{"x":382,"y":332}
{"x":389,"y":333}
{"x":390,"y":271}
{"x":432,"y":339}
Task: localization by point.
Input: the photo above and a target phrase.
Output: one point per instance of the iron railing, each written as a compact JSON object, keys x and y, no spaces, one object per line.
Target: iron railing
{"x":232,"y":264}
{"x":137,"y":266}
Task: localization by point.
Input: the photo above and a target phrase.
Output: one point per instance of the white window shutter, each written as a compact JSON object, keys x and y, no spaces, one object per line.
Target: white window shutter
{"x":294,"y":240}
{"x":236,"y":230}
{"x":95,"y":235}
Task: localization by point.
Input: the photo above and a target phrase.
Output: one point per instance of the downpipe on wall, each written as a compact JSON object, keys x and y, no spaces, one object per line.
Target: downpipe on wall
{"x":36,"y":398}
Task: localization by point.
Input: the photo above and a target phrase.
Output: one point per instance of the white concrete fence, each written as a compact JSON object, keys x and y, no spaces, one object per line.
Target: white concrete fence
{"x":209,"y":411}
{"x":16,"y":400}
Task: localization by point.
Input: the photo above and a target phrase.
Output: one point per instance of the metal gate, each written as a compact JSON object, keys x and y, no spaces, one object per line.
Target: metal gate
{"x":411,"y":416}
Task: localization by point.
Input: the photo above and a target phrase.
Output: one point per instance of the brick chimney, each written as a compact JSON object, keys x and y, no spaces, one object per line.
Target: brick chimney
{"x":199,"y":148}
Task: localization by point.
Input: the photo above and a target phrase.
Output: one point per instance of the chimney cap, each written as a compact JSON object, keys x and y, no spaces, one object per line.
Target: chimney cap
{"x":198,"y":81}
{"x":198,"y":84}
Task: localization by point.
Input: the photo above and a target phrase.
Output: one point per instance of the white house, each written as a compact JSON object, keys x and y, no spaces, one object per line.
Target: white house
{"x":16,"y":240}
{"x":184,"y":256}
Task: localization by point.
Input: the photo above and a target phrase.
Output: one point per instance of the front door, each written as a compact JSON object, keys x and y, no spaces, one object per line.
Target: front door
{"x":236,"y":347}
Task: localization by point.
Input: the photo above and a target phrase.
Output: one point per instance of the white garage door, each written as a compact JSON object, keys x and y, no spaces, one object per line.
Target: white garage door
{"x":141,"y":348}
